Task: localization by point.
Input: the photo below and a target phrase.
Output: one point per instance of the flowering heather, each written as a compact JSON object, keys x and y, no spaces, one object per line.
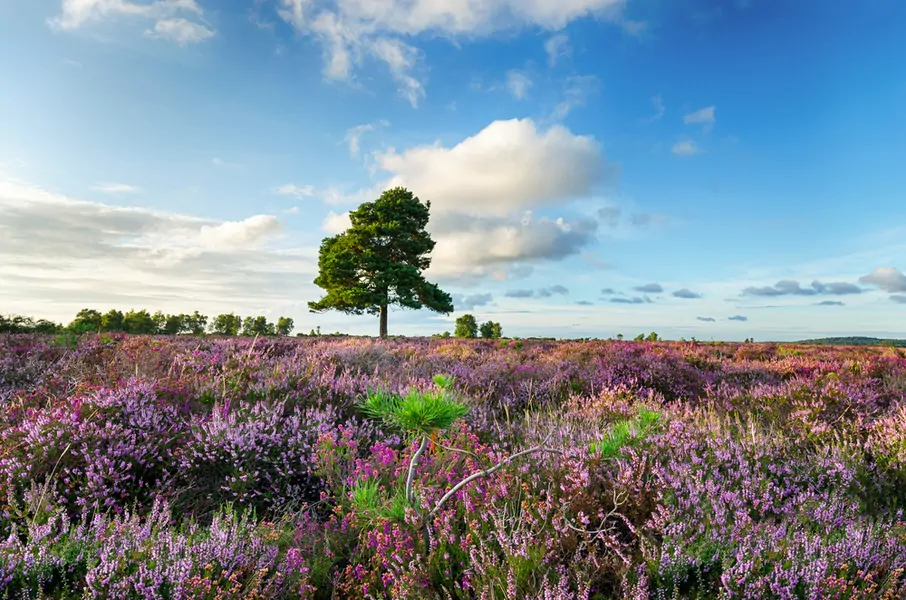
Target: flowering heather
{"x":142,"y":467}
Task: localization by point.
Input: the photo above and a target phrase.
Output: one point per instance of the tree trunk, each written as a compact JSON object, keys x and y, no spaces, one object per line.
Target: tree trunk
{"x":384,"y":321}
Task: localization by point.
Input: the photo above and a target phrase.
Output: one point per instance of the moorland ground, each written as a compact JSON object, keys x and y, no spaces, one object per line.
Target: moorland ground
{"x":199,"y":467}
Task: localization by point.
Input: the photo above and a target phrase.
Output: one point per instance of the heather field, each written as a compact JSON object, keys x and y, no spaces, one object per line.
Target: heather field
{"x":144,"y":467}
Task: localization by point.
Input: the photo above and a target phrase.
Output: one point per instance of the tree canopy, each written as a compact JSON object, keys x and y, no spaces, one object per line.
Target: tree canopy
{"x":466,"y":327}
{"x":378,"y":261}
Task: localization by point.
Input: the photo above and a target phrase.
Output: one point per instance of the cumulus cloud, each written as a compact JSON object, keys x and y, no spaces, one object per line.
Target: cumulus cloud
{"x":738,"y":318}
{"x":706,"y":319}
{"x":336,"y":223}
{"x":888,"y":279}
{"x":178,"y":21}
{"x":585,"y":303}
{"x":685,"y":148}
{"x":59,"y":254}
{"x":518,"y":84}
{"x":508,"y":165}
{"x":114,"y":188}
{"x":483,"y":191}
{"x":608,"y":292}
{"x":829,"y":303}
{"x":557,"y":47}
{"x":899,"y":298}
{"x":650,"y":288}
{"x":478,"y":242}
{"x":353,"y":31}
{"x":471,"y":301}
{"x":686,"y":294}
{"x":233,"y":234}
{"x":788,"y":287}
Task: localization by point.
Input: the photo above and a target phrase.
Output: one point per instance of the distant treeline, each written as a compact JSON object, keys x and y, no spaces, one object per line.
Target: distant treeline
{"x":143,"y":322}
{"x":855,"y":341}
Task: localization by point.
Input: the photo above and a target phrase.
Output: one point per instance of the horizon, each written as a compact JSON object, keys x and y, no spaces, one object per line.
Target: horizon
{"x":717,"y":170}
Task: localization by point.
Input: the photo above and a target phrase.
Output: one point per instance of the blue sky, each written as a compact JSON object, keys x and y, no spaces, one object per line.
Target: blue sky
{"x":594,"y":166}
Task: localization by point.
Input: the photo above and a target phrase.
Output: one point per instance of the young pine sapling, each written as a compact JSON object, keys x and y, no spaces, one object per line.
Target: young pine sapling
{"x":421,"y":416}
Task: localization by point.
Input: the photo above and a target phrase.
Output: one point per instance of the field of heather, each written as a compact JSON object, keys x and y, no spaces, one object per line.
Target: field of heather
{"x":142,"y":467}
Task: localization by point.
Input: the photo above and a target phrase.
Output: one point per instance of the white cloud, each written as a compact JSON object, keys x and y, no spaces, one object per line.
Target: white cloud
{"x":557,"y":47}
{"x":58,"y":255}
{"x":114,"y":188}
{"x":354,"y":134}
{"x":232,"y":234}
{"x":401,"y":58}
{"x":703,"y":116}
{"x":509,"y":165}
{"x":659,"y":108}
{"x":180,"y":31}
{"x":685,"y":148}
{"x":352,"y":30}
{"x":578,"y":89}
{"x":468,"y":242}
{"x":483,"y":189}
{"x":336,"y":223}
{"x":169,"y":17}
{"x":297,"y":191}
{"x":888,"y":279}
{"x":518,"y":84}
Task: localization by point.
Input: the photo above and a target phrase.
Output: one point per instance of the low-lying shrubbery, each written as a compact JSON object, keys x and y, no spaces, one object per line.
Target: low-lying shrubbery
{"x":140,"y":467}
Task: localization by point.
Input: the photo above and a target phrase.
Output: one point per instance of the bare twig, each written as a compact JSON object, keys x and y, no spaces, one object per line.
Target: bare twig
{"x":410,"y":496}
{"x":485,"y":473}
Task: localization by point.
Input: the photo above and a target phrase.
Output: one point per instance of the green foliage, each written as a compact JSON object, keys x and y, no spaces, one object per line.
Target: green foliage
{"x":140,"y":321}
{"x":368,"y":500}
{"x":414,"y":411}
{"x":86,"y":320}
{"x":491,"y":330}
{"x":20,"y":324}
{"x":466,"y":327}
{"x":194,"y":323}
{"x":285,"y":326}
{"x":66,"y":338}
{"x":652,"y":337}
{"x":443,"y":381}
{"x":226,"y":324}
{"x":252,"y":326}
{"x":112,"y":321}
{"x":378,"y":261}
{"x":625,"y":432}
{"x":855,"y":341}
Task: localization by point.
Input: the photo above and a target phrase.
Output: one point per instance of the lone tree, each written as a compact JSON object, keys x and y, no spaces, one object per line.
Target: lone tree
{"x":379,"y":260}
{"x":466,"y":327}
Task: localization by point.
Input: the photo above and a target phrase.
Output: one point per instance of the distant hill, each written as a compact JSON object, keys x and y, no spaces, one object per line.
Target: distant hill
{"x":855,"y":341}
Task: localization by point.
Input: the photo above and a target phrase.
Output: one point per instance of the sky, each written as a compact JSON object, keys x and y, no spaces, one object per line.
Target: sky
{"x":699,"y":168}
